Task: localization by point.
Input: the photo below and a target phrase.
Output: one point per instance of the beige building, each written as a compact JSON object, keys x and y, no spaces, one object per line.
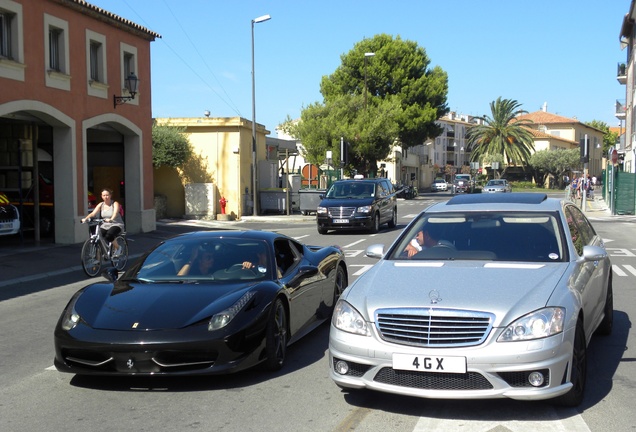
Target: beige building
{"x":220,"y":168}
{"x":552,"y":131}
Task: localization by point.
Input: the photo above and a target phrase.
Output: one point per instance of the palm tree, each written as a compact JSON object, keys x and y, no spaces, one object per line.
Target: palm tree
{"x":502,"y":134}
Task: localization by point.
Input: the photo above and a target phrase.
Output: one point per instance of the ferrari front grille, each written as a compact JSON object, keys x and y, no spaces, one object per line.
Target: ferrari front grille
{"x":430,"y":327}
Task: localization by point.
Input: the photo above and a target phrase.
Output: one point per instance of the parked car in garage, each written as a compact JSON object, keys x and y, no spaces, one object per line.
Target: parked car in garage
{"x":497,"y":186}
{"x":439,"y":185}
{"x":526,"y":284}
{"x":9,"y":217}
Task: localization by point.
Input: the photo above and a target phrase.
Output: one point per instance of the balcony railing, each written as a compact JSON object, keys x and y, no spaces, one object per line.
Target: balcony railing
{"x":621,"y":73}
{"x":620,"y":109}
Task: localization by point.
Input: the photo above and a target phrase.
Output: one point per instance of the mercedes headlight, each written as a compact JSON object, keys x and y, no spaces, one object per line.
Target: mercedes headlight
{"x":536,"y":325}
{"x":348,"y":319}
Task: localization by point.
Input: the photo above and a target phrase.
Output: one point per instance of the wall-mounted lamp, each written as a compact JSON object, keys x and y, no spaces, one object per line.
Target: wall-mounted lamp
{"x":130,"y":83}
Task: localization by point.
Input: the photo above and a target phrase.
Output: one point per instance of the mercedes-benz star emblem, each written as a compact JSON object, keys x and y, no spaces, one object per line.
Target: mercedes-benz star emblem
{"x":434,"y":296}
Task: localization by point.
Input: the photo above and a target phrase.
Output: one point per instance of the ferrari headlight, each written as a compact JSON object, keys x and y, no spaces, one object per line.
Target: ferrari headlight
{"x":364,"y":209}
{"x":536,"y":325}
{"x":71,"y":317}
{"x":349,"y":320}
{"x":222,"y":319}
{"x":321,"y":210}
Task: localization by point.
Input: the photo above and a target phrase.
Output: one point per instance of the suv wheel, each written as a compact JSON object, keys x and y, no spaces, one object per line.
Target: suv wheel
{"x":322,"y":230}
{"x":393,"y":221}
{"x":376,"y":224}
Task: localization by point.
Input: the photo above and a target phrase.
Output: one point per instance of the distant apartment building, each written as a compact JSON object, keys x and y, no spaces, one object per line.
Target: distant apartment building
{"x":625,"y":111}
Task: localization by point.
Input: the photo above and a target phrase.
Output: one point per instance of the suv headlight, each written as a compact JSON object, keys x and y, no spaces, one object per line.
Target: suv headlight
{"x":536,"y":325}
{"x":364,"y":209}
{"x":348,"y":319}
{"x":321,"y":210}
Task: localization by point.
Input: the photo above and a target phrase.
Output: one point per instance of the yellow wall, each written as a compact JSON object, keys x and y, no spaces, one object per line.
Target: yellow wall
{"x":215,"y":142}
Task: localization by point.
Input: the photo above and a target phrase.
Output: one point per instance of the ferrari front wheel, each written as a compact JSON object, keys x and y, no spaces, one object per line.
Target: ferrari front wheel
{"x":276,"y":337}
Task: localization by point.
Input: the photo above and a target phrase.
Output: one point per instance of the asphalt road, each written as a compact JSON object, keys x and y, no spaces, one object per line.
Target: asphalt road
{"x":300,"y":397}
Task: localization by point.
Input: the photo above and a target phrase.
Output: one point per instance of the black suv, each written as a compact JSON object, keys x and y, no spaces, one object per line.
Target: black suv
{"x":357,"y":204}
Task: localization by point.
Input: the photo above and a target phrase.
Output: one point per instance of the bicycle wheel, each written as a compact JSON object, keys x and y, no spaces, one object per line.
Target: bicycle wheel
{"x":91,"y":258}
{"x":120,"y":259}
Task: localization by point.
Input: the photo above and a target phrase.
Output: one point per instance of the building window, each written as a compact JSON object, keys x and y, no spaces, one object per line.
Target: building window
{"x":55,"y":49}
{"x":11,"y":40}
{"x":6,"y":49}
{"x":96,"y":65}
{"x":96,"y":61}
{"x":56,"y":58}
{"x":128,"y":65}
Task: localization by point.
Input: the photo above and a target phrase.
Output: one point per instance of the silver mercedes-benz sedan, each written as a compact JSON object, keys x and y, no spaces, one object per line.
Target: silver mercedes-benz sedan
{"x":483,"y":296}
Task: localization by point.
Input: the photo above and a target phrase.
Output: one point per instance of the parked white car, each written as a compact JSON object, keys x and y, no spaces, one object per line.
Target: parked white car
{"x":439,"y":185}
{"x":9,"y":217}
{"x":497,"y":186}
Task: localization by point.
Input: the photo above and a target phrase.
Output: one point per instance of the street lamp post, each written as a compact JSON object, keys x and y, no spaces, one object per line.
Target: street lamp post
{"x":366,"y":55}
{"x":254,"y":170}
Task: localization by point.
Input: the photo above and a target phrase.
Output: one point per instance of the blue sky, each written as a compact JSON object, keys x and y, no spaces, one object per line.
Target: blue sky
{"x":560,"y":52}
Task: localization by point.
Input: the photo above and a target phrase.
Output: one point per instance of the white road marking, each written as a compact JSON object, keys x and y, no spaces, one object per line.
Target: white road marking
{"x":630,"y":269}
{"x":450,"y":420}
{"x":353,"y":244}
{"x":352,"y":253}
{"x":300,"y":237}
{"x":364,"y":268}
{"x":620,"y":252}
{"x":618,"y":270}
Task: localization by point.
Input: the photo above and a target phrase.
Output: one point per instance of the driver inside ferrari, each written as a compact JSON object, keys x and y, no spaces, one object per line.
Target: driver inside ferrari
{"x":201,"y":262}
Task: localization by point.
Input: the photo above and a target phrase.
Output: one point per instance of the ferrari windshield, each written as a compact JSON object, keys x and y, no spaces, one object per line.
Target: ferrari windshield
{"x":496,"y":236}
{"x":186,"y":259}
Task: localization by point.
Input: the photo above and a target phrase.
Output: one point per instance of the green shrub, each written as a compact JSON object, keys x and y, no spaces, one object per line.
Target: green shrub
{"x":523,"y":185}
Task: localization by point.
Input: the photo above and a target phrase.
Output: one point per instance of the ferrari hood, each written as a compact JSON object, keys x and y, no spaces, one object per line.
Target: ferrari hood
{"x":154,"y":306}
{"x":508,"y":290}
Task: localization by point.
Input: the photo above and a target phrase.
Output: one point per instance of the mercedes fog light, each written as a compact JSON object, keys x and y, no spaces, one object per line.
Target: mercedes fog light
{"x":536,"y":379}
{"x":342,"y":367}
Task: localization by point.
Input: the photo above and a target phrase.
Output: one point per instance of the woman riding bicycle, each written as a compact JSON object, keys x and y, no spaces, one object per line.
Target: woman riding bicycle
{"x":113,"y":224}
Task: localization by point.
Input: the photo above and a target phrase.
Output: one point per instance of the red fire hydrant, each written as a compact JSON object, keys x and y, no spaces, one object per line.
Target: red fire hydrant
{"x":223,"y":203}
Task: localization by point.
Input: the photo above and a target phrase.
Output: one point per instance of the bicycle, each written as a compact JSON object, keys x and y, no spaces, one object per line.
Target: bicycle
{"x":96,"y":250}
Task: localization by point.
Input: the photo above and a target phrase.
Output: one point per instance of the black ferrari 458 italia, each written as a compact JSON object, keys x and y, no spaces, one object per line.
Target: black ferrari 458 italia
{"x":201,"y":303}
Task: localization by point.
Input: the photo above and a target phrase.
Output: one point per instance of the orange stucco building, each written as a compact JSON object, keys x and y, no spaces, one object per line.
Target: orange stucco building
{"x":66,"y":118}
